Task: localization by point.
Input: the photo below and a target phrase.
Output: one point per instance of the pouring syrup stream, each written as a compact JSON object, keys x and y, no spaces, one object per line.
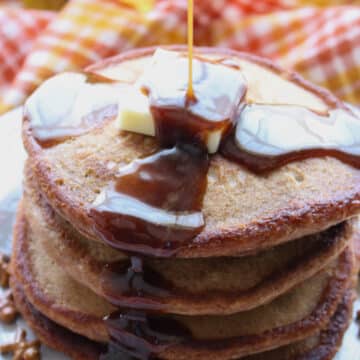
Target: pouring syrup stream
{"x":190,"y":18}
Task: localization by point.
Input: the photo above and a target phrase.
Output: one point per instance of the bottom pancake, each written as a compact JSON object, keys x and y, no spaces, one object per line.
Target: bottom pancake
{"x":294,"y":316}
{"x":322,"y":346}
{"x":50,"y":333}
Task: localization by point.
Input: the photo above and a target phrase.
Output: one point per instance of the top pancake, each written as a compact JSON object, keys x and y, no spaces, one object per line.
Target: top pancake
{"x":243,"y":211}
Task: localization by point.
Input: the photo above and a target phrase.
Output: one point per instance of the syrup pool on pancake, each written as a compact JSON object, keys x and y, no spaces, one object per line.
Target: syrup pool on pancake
{"x":155,"y":202}
{"x":159,"y":209}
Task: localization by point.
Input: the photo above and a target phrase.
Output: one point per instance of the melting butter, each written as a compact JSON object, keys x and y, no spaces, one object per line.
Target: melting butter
{"x":274,"y":130}
{"x":170,"y":114}
{"x":270,"y":136}
{"x":67,"y":104}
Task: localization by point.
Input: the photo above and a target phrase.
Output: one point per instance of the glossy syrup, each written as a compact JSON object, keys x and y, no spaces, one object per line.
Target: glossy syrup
{"x":215,"y":95}
{"x":154,"y":206}
{"x":140,"y":335}
{"x":134,"y":279}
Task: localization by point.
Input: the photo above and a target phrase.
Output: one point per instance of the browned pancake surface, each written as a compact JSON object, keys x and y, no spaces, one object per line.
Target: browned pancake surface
{"x":294,"y":316}
{"x":51,"y":290}
{"x":198,"y":286}
{"x":322,"y":346}
{"x":243,"y":211}
{"x":52,"y":334}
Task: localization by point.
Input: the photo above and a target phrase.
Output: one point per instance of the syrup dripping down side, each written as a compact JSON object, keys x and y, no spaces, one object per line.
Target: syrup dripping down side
{"x":141,"y":335}
{"x":134,"y":279}
{"x":155,"y":204}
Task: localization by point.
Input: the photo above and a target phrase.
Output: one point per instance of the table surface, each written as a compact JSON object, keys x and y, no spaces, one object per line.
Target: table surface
{"x":12,"y":157}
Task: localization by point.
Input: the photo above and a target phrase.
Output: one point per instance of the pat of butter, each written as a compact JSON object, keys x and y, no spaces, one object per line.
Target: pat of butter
{"x":134,"y":116}
{"x":218,"y":89}
{"x":213,"y":141}
{"x":134,"y":113}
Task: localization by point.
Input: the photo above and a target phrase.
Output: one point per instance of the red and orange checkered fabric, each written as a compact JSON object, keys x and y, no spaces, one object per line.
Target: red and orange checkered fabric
{"x":320,"y":42}
{"x":18,"y":31}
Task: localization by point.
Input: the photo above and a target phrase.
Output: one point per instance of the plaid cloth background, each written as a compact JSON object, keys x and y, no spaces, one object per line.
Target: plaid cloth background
{"x":322,"y":43}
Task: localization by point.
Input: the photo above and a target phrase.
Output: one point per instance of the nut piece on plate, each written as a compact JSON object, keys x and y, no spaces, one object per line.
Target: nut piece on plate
{"x":8,"y":311}
{"x":4,"y":270}
{"x":21,"y":348}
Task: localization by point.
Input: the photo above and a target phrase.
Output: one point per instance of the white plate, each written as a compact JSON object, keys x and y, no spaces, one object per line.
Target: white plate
{"x":12,"y":156}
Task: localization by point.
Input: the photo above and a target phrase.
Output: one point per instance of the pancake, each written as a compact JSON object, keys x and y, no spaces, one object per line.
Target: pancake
{"x":214,"y":286}
{"x":357,"y":241}
{"x":322,"y":346}
{"x":53,"y":335}
{"x":243,"y":211}
{"x":51,"y":290}
{"x":294,"y":316}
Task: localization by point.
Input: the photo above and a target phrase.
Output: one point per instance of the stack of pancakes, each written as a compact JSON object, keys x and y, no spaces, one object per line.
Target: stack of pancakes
{"x":271,"y":276}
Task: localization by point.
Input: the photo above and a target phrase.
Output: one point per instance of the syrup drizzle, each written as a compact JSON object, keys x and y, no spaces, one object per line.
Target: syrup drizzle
{"x":180,"y":118}
{"x":142,"y":335}
{"x":134,"y":279}
{"x":155,"y":204}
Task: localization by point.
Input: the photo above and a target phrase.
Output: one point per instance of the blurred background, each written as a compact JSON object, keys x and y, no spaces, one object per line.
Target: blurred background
{"x":57,"y":4}
{"x":38,"y":38}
